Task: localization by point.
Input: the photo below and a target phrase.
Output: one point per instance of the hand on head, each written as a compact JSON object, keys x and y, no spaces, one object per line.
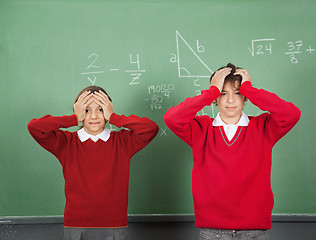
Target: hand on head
{"x":219,"y":76}
{"x":244,"y":75}
{"x":103,"y":100}
{"x":80,"y":106}
{"x":86,"y":98}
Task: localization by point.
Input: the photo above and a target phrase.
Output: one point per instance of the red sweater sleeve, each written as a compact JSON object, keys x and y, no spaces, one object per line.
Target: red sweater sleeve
{"x":178,"y":118}
{"x":283,"y":115}
{"x":142,"y":131}
{"x":46,"y":131}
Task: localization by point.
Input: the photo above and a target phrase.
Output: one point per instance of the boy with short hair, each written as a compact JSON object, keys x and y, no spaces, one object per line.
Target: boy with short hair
{"x":232,"y":154}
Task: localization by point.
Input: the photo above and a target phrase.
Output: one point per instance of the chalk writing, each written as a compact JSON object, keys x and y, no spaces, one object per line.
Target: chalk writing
{"x":157,"y":95}
{"x":196,"y":83}
{"x":163,"y":131}
{"x":92,"y":74}
{"x":261,"y":46}
{"x":94,"y":69}
{"x":136,"y":73}
{"x":199,"y":47}
{"x":264,"y":46}
{"x":310,"y":49}
{"x":295,"y":49}
{"x":184,"y":71}
{"x":161,"y":88}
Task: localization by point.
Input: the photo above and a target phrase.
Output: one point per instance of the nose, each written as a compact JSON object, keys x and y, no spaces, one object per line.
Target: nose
{"x":231,"y":98}
{"x":93,"y":114}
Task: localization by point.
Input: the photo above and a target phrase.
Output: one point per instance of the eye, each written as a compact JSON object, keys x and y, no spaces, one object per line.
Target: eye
{"x":237,"y":93}
{"x":87,"y":110}
{"x":100,"y":110}
{"x":223,"y":94}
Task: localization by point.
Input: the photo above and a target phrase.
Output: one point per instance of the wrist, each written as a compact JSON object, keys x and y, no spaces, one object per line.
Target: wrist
{"x":246,"y":82}
{"x":217,"y":86}
{"x":78,"y":118}
{"x":108,"y":116}
{"x":219,"y":89}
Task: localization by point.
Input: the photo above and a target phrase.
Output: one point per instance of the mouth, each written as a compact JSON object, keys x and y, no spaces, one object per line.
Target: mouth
{"x":231,"y":108}
{"x":94,"y":123}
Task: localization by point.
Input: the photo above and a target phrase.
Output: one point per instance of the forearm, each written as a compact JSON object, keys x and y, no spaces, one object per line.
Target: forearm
{"x":178,"y":118}
{"x":41,"y":127}
{"x":143,"y":128}
{"x":185,"y":112}
{"x":267,"y":101}
{"x":46,"y":131}
{"x":283,"y":115}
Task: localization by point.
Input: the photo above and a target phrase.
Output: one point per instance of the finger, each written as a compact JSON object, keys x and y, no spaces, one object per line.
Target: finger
{"x":88,"y":102}
{"x":241,"y":72}
{"x":83,"y":96}
{"x":225,"y":71}
{"x":238,"y":71}
{"x":102,"y":97}
{"x":101,"y":93}
{"x":87,"y":99}
{"x":101,"y":103}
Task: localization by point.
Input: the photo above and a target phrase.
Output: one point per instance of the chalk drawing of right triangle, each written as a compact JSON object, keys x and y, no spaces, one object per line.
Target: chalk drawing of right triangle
{"x":184,"y":71}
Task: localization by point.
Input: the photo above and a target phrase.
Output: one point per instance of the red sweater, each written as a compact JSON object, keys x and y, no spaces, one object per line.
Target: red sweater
{"x":96,"y":173}
{"x":231,"y":179}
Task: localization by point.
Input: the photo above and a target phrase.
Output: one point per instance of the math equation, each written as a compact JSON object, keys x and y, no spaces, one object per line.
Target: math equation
{"x":93,"y":69}
{"x":295,"y":48}
{"x":157,"y":94}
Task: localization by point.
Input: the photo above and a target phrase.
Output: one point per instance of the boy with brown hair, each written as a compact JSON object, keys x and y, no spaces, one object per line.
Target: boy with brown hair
{"x":232,"y":154}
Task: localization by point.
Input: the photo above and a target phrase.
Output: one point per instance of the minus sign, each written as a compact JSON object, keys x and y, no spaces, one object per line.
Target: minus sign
{"x":135,"y":71}
{"x":114,"y":69}
{"x":85,"y":73}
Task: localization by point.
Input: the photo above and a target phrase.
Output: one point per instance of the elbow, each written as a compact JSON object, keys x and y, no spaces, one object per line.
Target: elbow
{"x":155,"y":129}
{"x":152,"y":130}
{"x":168,"y":118}
{"x":30,"y":126}
{"x":298,"y":114}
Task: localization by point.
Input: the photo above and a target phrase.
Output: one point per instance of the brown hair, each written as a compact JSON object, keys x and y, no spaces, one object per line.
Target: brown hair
{"x":233,"y":79}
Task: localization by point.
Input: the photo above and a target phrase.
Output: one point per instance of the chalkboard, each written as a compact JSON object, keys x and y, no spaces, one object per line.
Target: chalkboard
{"x":149,"y":56}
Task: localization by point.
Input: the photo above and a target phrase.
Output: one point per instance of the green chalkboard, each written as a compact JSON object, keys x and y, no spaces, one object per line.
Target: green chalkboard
{"x":149,"y":56}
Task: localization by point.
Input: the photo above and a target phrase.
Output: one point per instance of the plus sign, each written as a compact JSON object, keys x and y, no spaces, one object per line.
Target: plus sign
{"x":310,"y":50}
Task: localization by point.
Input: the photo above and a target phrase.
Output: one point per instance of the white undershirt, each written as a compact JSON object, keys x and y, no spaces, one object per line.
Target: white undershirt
{"x":84,"y":136}
{"x":230,"y":129}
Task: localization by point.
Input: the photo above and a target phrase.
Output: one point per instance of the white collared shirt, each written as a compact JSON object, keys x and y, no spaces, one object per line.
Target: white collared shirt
{"x":84,"y":136}
{"x":231,"y":129}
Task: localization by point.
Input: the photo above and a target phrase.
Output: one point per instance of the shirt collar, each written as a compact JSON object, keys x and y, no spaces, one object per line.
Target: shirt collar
{"x":243,"y":121}
{"x":84,"y":136}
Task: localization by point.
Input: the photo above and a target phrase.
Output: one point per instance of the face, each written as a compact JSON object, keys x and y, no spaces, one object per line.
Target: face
{"x":230,"y":103}
{"x":94,"y":121}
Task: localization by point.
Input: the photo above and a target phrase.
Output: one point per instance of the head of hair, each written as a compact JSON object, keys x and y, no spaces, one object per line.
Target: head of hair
{"x":235,"y":80}
{"x":92,"y":89}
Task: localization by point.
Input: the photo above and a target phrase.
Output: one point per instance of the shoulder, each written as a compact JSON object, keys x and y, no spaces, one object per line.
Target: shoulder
{"x":68,"y":135}
{"x":262,"y":118}
{"x":203,"y":118}
{"x":120,"y":132}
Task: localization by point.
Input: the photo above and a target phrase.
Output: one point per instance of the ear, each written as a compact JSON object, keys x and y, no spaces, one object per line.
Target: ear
{"x":246,"y":99}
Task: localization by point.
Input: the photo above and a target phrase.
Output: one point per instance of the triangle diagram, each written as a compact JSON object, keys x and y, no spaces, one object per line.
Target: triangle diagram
{"x":189,"y":62}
